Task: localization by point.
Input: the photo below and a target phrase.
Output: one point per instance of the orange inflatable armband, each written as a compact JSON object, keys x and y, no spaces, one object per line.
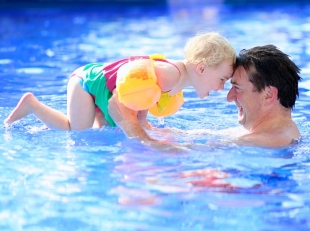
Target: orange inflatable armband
{"x":167,"y":105}
{"x":136,"y":85}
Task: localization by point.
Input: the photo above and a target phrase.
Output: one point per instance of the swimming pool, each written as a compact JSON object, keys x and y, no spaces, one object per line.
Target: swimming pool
{"x":99,"y":179}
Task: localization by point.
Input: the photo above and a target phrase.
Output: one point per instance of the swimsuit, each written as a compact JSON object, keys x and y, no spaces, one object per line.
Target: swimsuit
{"x":99,"y":80}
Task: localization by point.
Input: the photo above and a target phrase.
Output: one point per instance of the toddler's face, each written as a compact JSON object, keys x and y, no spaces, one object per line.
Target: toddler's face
{"x":213,"y":78}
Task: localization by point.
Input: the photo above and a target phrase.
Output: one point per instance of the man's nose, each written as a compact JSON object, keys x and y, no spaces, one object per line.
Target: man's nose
{"x":231,"y":95}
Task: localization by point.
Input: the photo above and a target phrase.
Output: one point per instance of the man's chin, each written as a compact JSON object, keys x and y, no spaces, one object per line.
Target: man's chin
{"x":241,"y":122}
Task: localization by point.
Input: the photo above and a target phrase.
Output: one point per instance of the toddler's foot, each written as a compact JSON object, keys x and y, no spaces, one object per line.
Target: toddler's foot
{"x":22,"y":109}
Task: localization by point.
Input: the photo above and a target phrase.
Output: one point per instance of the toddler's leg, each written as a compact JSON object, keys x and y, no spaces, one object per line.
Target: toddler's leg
{"x":22,"y":109}
{"x":30,"y":104}
{"x":100,"y":121}
{"x":80,"y":106}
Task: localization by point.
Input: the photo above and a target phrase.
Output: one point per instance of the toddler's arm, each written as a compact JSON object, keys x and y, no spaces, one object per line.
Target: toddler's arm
{"x":126,"y":119}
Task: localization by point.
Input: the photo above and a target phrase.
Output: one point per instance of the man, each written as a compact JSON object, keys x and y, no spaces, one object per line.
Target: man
{"x":264,"y":88}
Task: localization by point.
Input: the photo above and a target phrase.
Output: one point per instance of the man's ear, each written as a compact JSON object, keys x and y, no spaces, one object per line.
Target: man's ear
{"x":201,"y":68}
{"x":271,"y":95}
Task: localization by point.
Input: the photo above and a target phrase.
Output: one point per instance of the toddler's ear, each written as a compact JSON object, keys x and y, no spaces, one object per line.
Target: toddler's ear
{"x":201,"y":67}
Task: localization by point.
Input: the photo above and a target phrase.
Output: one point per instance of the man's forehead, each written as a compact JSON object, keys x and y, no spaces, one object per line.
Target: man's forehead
{"x":239,"y":74}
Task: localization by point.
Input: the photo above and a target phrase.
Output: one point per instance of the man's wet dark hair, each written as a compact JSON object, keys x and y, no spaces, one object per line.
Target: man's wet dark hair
{"x":268,"y":66}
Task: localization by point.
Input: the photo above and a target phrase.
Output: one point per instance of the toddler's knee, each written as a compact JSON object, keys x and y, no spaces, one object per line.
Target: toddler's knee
{"x":29,"y":99}
{"x":29,"y":96}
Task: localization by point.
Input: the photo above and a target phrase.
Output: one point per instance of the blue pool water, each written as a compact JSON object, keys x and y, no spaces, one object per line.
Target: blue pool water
{"x":100,"y":180}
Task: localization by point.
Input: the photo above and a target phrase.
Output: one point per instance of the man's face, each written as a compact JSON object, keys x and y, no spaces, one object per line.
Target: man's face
{"x":250,"y":102}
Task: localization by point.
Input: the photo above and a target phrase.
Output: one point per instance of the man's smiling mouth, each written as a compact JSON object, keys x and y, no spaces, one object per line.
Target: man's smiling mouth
{"x":240,"y":108}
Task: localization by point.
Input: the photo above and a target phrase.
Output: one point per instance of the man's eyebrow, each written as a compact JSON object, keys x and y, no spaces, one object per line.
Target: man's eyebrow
{"x":233,"y":82}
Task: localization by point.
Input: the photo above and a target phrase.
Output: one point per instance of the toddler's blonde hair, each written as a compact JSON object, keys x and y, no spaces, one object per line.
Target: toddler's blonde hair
{"x":210,"y":48}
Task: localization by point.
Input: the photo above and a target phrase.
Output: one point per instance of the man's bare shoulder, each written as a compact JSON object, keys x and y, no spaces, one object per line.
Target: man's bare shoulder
{"x":277,"y":137}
